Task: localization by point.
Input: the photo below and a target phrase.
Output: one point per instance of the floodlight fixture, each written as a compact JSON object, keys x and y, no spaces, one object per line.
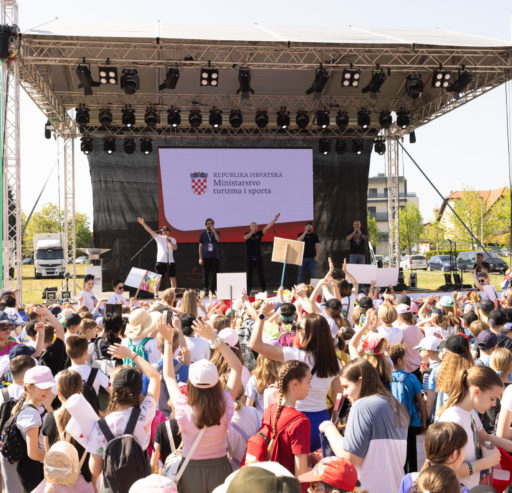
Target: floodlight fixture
{"x":195,"y":118}
{"x":324,"y":146}
{"x":209,"y":77}
{"x":244,"y":80}
{"x":109,"y":145}
{"x":86,"y":82}
{"x":215,"y":118}
{"x":322,"y":118}
{"x":130,"y":80}
{"x":128,"y":116}
{"x":340,"y":146}
{"x":283,"y":118}
{"x":107,"y":75}
{"x":412,"y":137}
{"x":441,"y":79}
{"x":261,"y":118}
{"x":378,"y":78}
{"x":462,"y":81}
{"x":385,"y":119}
{"x":402,"y":118}
{"x":146,"y":146}
{"x":413,"y":86}
{"x":235,"y":118}
{"x":363,"y":118}
{"x":105,"y":117}
{"x":129,"y":145}
{"x":302,"y":119}
{"x":173,"y":117}
{"x":342,"y":119}
{"x":379,"y":146}
{"x":86,"y":145}
{"x":171,"y":79}
{"x":357,"y":146}
{"x":48,"y":129}
{"x":151,"y":117}
{"x":350,"y":77}
{"x":321,"y":78}
{"x":82,"y":115}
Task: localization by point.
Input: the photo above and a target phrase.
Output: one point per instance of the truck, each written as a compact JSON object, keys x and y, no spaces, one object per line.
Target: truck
{"x":48,"y":255}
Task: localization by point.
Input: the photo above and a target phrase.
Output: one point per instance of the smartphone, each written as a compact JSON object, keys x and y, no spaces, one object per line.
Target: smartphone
{"x":168,"y":317}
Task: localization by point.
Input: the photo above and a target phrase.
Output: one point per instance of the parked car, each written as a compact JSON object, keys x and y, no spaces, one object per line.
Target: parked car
{"x":27,"y":261}
{"x":442,"y":263}
{"x":81,"y":260}
{"x":466,"y":261}
{"x":413,"y":262}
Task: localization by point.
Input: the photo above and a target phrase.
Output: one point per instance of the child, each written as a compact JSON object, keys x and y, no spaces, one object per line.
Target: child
{"x":89,"y":329}
{"x":86,"y":296}
{"x":429,"y":352}
{"x":333,"y":474}
{"x":407,"y":390}
{"x":263,"y":377}
{"x":139,"y":335}
{"x":73,"y":321}
{"x":438,"y":479}
{"x":229,"y":337}
{"x":487,"y":343}
{"x":387,"y":316}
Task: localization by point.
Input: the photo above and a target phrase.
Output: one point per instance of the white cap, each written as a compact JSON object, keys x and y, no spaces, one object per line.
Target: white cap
{"x":203,"y":374}
{"x":429,"y":343}
{"x":229,"y":337}
{"x":403,"y":308}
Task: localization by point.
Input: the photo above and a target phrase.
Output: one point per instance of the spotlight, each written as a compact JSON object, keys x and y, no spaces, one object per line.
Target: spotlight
{"x":302,"y":119}
{"x":128,"y":116}
{"x":107,"y":75}
{"x":261,"y":118}
{"x":413,"y":86}
{"x":130,"y":80}
{"x":109,"y":145}
{"x":324,"y":146}
{"x":82,"y":115}
{"x":129,"y":145}
{"x":151,"y":117}
{"x":171,"y":79}
{"x":340,"y":146}
{"x":215,"y":119}
{"x":342,"y":120}
{"x":86,"y":145}
{"x":195,"y":118}
{"x":7,"y":34}
{"x":363,"y":118}
{"x":385,"y":119}
{"x":321,"y":78}
{"x":350,"y":77}
{"x":357,"y":146}
{"x":173,"y":117}
{"x":84,"y":75}
{"x":380,"y":146}
{"x":146,"y":146}
{"x":283,"y":118}
{"x":322,"y":118}
{"x":412,"y":137}
{"x":209,"y":77}
{"x":105,"y":117}
{"x":461,"y":82}
{"x":48,"y":128}
{"x":441,"y":79}
{"x":378,"y":78}
{"x":235,"y":118}
{"x":244,"y":79}
{"x":402,"y":118}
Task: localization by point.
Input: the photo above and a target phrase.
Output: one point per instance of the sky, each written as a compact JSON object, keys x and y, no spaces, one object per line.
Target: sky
{"x":465,"y":148}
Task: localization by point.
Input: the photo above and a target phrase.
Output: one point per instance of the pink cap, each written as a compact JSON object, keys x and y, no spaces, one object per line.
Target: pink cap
{"x":229,"y":337}
{"x":40,"y":376}
{"x":403,"y":308}
{"x":153,"y":483}
{"x":414,"y":307}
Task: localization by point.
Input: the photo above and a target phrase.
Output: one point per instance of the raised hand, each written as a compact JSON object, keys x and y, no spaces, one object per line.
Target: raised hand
{"x":165,"y":329}
{"x":119,"y":351}
{"x":203,"y":329}
{"x":267,"y":308}
{"x":140,"y":220}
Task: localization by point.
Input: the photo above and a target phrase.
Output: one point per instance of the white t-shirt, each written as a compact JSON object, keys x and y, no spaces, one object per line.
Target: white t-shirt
{"x":393,"y":335}
{"x":164,"y":251}
{"x":506,"y":400}
{"x":151,"y":348}
{"x":117,"y":299}
{"x":489,"y":292}
{"x":101,"y":379}
{"x":88,"y":299}
{"x":244,"y":424}
{"x":456,"y":414}
{"x":199,"y":348}
{"x":316,"y":398}
{"x":31,"y":418}
{"x":14,"y":390}
{"x":332,"y":324}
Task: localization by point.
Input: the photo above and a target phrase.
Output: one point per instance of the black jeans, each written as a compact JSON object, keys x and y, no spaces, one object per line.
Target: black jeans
{"x":411,"y":461}
{"x":210,"y":269}
{"x":257,"y":262}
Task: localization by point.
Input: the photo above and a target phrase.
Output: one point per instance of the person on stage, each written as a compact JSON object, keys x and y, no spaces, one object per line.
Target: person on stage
{"x":253,"y":243}
{"x":357,"y":239}
{"x":209,"y":255}
{"x":311,"y":252}
{"x":166,"y":245}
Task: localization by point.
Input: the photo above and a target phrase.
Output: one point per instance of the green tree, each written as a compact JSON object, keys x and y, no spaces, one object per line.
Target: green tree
{"x":373,"y":231}
{"x":411,"y":226}
{"x":498,"y":221}
{"x":435,"y":233}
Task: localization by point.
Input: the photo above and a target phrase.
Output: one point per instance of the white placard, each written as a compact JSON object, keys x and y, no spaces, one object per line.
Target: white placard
{"x":387,"y":276}
{"x":230,"y":285}
{"x":145,"y":279}
{"x":363,"y":273}
{"x":95,"y":270}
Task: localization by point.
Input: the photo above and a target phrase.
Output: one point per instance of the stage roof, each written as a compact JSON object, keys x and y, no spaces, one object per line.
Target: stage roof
{"x":282,"y":61}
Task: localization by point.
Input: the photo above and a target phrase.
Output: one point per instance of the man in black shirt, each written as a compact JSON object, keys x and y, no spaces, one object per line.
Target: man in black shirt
{"x":357,"y":252}
{"x":253,"y":242}
{"x":311,"y":252}
{"x":481,"y":265}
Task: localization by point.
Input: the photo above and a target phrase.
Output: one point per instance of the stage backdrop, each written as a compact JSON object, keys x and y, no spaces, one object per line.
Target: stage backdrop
{"x":126,"y":186}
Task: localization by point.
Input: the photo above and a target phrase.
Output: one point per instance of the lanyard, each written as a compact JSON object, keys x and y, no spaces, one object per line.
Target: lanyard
{"x":210,"y":240}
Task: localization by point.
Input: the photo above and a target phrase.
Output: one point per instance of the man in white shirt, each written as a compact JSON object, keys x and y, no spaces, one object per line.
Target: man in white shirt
{"x":165,"y":245}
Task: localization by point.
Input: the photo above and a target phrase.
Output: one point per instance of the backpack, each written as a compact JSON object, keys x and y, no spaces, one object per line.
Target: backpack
{"x":139,"y":349}
{"x":263,"y":446}
{"x":61,"y":464}
{"x":402,"y":393}
{"x":88,"y":390}
{"x":6,"y":407}
{"x":106,"y":365}
{"x":125,"y":462}
{"x":12,"y":444}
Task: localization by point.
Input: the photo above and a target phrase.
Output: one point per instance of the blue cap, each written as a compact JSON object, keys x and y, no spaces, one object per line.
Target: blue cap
{"x":21,"y":350}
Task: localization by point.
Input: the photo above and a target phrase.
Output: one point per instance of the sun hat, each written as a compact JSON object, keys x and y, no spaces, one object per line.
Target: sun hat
{"x":229,"y":337}
{"x":429,"y":343}
{"x":447,"y":301}
{"x":203,"y":374}
{"x":403,"y":308}
{"x":140,"y":324}
{"x":336,"y":472}
{"x":40,"y":376}
{"x":153,"y":483}
{"x":456,"y":343}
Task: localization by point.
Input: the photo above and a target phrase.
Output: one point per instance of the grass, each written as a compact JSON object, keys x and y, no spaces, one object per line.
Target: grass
{"x":434,"y":279}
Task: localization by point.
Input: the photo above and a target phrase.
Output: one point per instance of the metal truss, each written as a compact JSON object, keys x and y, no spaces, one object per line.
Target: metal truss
{"x":69,"y":205}
{"x":393,"y":172}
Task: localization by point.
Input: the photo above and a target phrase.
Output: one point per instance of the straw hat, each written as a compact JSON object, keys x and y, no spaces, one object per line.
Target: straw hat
{"x":141,"y":324}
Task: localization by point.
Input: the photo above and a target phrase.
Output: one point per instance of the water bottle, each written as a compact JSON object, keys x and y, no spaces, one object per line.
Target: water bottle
{"x":486,"y":475}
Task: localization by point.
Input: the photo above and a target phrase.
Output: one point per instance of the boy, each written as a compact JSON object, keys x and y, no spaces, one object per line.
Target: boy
{"x":406,"y":388}
{"x":497,"y":321}
{"x":487,"y":343}
{"x":89,"y":329}
{"x":54,"y":351}
{"x":429,"y":352}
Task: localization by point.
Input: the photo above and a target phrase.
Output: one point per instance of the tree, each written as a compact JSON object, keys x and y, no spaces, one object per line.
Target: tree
{"x":498,"y":221}
{"x":373,"y":231}
{"x":435,"y":233}
{"x":411,"y":226}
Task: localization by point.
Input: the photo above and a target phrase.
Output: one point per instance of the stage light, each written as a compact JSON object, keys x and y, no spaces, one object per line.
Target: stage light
{"x":107,"y":75}
{"x":129,"y":145}
{"x":173,"y":117}
{"x":48,"y":128}
{"x":413,"y":86}
{"x":86,"y":145}
{"x":195,"y":118}
{"x":171,"y":79}
{"x":244,"y":79}
{"x":130,"y":80}
{"x":379,"y":145}
{"x":373,"y":87}
{"x":82,"y":115}
{"x":321,"y":78}
{"x":105,"y":117}
{"x":459,"y":84}
{"x":128,"y":116}
{"x":146,"y":146}
{"x":209,"y":77}
{"x":109,"y":145}
{"x":7,"y":34}
{"x":342,"y":119}
{"x":261,"y":118}
{"x":402,"y":118}
{"x":350,"y":77}
{"x":357,"y":146}
{"x":363,"y":118}
{"x":340,"y":146}
{"x":235,"y":118}
{"x":283,"y":118}
{"x":324,"y":146}
{"x":84,"y":76}
{"x":385,"y":119}
{"x":412,"y":137}
{"x":322,"y":118}
{"x":302,"y":119}
{"x":151,"y":117}
{"x":215,"y":118}
{"x":441,"y":79}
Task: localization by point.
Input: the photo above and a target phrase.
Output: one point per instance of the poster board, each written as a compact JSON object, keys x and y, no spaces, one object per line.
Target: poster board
{"x":295,"y":251}
{"x":362,"y":273}
{"x":143,"y":279}
{"x":230,"y":284}
{"x":387,"y":276}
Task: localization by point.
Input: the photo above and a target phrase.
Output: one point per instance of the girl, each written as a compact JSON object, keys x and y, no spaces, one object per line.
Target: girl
{"x":86,"y":296}
{"x":475,"y":391}
{"x":205,"y":413}
{"x":189,"y":302}
{"x":263,"y":377}
{"x":376,"y":433}
{"x":411,"y":335}
{"x":501,"y":362}
{"x":444,"y":444}
{"x":169,"y":297}
{"x":438,"y":479}
{"x":6,"y":327}
{"x":387,"y":316}
{"x":318,"y":352}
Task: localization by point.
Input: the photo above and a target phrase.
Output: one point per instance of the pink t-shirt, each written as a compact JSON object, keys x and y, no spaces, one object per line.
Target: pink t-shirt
{"x":7,"y":349}
{"x":412,"y":336}
{"x":214,"y":442}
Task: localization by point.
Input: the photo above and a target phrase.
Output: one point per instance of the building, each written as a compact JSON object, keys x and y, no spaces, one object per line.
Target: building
{"x":378,"y":206}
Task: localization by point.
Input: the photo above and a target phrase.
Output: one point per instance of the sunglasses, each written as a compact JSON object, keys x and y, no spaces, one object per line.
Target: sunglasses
{"x":5,"y":328}
{"x":482,"y":280}
{"x":120,"y":287}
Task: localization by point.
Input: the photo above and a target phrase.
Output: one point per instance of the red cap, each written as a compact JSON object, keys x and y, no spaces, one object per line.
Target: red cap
{"x":339,"y":473}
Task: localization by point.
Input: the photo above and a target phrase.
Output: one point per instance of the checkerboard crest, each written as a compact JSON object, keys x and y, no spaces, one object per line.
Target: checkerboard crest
{"x":199,"y":182}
